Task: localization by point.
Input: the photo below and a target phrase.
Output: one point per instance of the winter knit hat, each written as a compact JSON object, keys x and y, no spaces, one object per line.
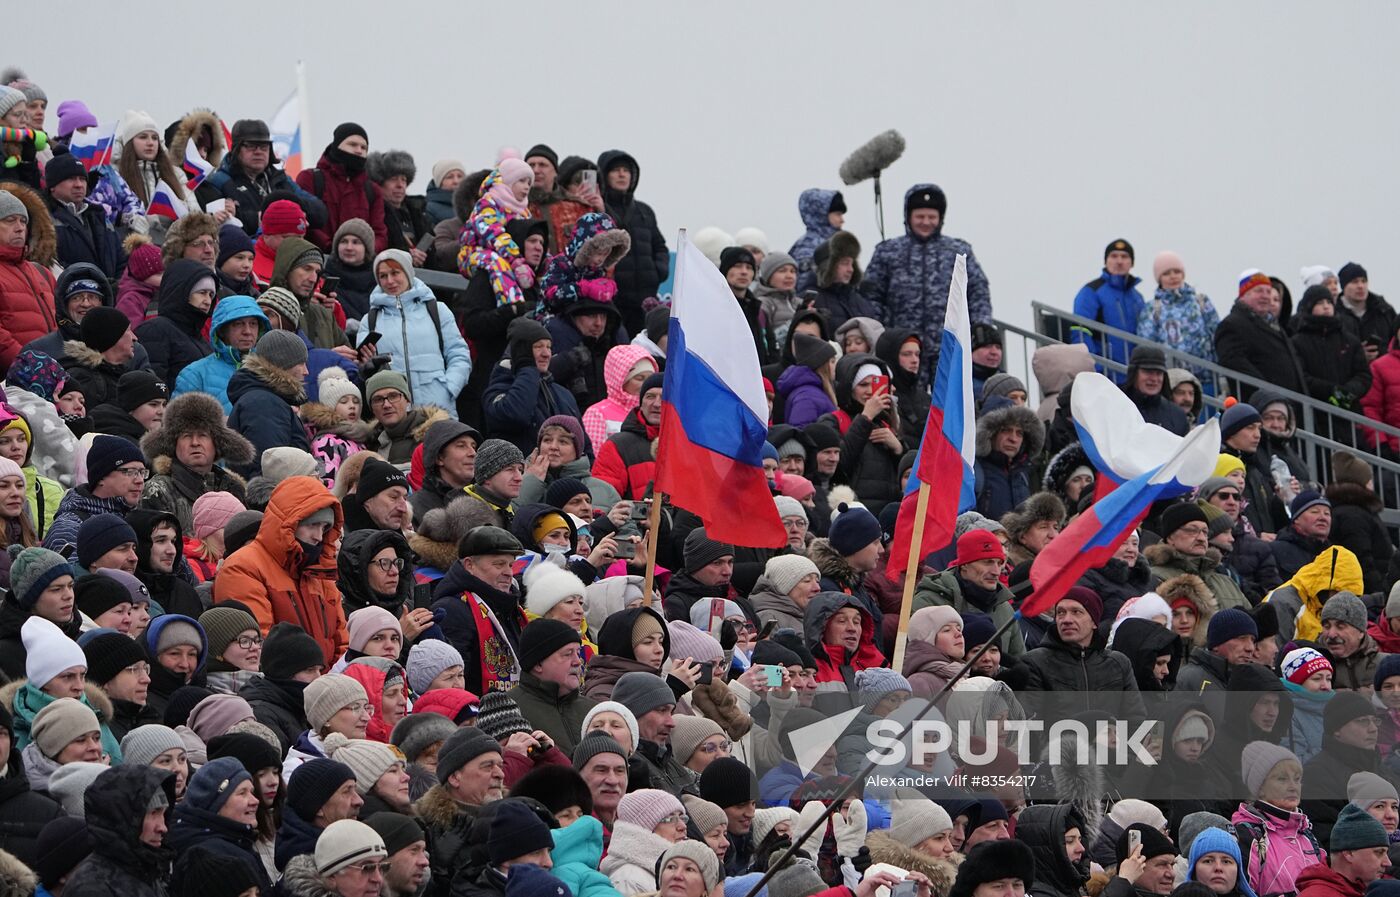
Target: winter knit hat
{"x":727,"y":782}
{"x":332,"y":385}
{"x":287,"y":650}
{"x":874,"y":683}
{"x":136,"y":388}
{"x":516,"y":829}
{"x":387,"y":379}
{"x":926,"y":622}
{"x":691,"y":732}
{"x":1388,"y":667}
{"x":441,"y":169}
{"x":313,"y":783}
{"x":1259,"y":758}
{"x":215,"y":715}
{"x":1178,"y":515}
{"x":767,"y":819}
{"x":1344,"y":707}
{"x":394,"y":257}
{"x":704,"y":814}
{"x":642,"y":693}
{"x":789,"y":507}
{"x":72,"y":115}
{"x":253,"y":752}
{"x":99,"y":534}
{"x":417,"y":732}
{"x":103,"y":328}
{"x":914,"y":820}
{"x":1236,"y":418}
{"x":1356,"y":829}
{"x":108,"y":653}
{"x":1366,"y":788}
{"x":144,"y":744}
{"x":366,"y":622}
{"x":328,"y":695}
{"x":1154,"y":843}
{"x":346,"y":842}
{"x":282,"y":349}
{"x":179,"y":631}
{"x":212,"y":511}
{"x":282,"y":301}
{"x":500,"y":717}
{"x":224,"y":624}
{"x":700,"y":550}
{"x":145,"y":260}
{"x":60,"y":723}
{"x":368,"y":759}
{"x":1301,"y":663}
{"x":688,"y":641}
{"x":785,"y":571}
{"x":546,"y":585}
{"x":361,"y":230}
{"x":646,"y":807}
{"x":592,"y":744}
{"x":1227,"y":624}
{"x":282,"y":462}
{"x":48,"y":652}
{"x":107,"y":453}
{"x":429,"y":659}
{"x":232,"y":240}
{"x":214,"y":783}
{"x":1165,"y":261}
{"x":462,"y":747}
{"x":283,"y":217}
{"x":612,"y":707}
{"x":541,"y":638}
{"x":494,"y":456}
{"x":853,"y":529}
{"x":811,"y":352}
{"x":1344,"y":607}
{"x":699,"y":853}
{"x":564,"y":489}
{"x":70,"y":782}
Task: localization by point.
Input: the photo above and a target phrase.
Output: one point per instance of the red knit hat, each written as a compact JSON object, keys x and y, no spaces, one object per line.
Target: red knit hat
{"x":1088,"y":599}
{"x":978,"y":545}
{"x":144,"y":261}
{"x":1256,"y":279}
{"x":283,"y":218}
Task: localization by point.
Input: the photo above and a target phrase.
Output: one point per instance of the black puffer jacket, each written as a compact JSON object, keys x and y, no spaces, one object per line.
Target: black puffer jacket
{"x":1356,"y":525}
{"x":1042,"y":828}
{"x":23,"y":813}
{"x":871,"y":469}
{"x":643,"y":269}
{"x":1332,"y":359}
{"x":120,"y":865}
{"x":172,"y":338}
{"x":278,"y":705}
{"x":1259,"y":348}
{"x":1142,"y":642}
{"x":1115,"y":582}
{"x":1292,"y":551}
{"x":1253,"y":561}
{"x":913,"y":399}
{"x":1066,"y":669}
{"x":212,"y":832}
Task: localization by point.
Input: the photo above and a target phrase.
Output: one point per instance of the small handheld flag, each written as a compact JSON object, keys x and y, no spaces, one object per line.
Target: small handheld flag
{"x":93,"y":146}
{"x":167,"y":203}
{"x":195,"y":166}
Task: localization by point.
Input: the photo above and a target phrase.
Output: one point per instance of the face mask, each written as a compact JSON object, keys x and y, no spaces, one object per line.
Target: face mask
{"x":311,"y":553}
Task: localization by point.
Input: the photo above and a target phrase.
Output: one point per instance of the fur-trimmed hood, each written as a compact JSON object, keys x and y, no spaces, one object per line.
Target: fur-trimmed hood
{"x":77,"y":352}
{"x":322,"y":419}
{"x":279,"y":380}
{"x":1350,"y":494}
{"x":436,"y":538}
{"x":197,"y":412}
{"x":1012,"y":415}
{"x":189,"y":127}
{"x":1040,"y":506}
{"x":1194,"y":589}
{"x":830,"y":563}
{"x":382,"y":166}
{"x":465,"y":195}
{"x":885,"y":849}
{"x":842,"y":245}
{"x":1163,"y":555}
{"x":1065,"y":462}
{"x":437,"y":808}
{"x":16,"y":879}
{"x":299,"y":878}
{"x":43,"y":239}
{"x":96,"y":698}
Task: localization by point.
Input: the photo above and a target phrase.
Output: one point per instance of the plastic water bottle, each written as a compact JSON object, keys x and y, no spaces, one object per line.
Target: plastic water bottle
{"x":1283,"y":479}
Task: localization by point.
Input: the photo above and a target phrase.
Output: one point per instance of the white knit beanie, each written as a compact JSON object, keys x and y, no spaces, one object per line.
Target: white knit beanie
{"x":344,"y":843}
{"x":367,"y":759}
{"x":328,"y":695}
{"x":48,"y":651}
{"x":628,"y":717}
{"x":786,"y":570}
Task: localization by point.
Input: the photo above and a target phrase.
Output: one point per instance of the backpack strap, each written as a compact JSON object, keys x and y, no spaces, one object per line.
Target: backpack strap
{"x":318,"y":181}
{"x":433,"y":313}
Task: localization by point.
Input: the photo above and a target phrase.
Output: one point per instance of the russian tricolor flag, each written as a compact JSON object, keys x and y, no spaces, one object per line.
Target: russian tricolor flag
{"x":948,"y":450}
{"x":1145,"y":461}
{"x":196,"y":168}
{"x":167,"y":203}
{"x":713,"y":411}
{"x":93,"y":147}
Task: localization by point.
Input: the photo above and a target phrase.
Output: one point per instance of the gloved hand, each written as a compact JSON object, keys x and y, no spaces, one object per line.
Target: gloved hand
{"x":809,"y":813}
{"x":862,"y":860}
{"x":524,"y":275}
{"x":849,"y":829}
{"x":600,"y":289}
{"x":579,"y":356}
{"x":522,"y":355}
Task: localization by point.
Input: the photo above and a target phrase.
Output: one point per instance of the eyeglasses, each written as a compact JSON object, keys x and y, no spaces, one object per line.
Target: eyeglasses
{"x":370,"y":868}
{"x":360,"y":707}
{"x":387,"y":564}
{"x":715,"y":747}
{"x":203,"y":243}
{"x":136,"y":473}
{"x":1228,"y":496}
{"x":140,"y":669}
{"x":249,"y":642}
{"x":675,"y":819}
{"x":392,"y":398}
{"x":1196,"y":530}
{"x":744,"y":625}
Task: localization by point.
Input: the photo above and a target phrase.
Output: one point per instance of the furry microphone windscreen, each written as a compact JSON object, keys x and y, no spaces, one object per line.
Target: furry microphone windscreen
{"x":879,"y":153}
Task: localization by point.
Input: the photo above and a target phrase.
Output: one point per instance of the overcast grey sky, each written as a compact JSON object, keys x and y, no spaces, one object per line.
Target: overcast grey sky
{"x":1241,"y":134}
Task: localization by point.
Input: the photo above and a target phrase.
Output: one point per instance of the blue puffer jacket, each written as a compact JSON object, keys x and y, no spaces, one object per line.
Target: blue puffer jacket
{"x":408,"y":338}
{"x":1111,"y":299}
{"x":212,"y":372}
{"x":908,"y":281}
{"x":813,"y":205}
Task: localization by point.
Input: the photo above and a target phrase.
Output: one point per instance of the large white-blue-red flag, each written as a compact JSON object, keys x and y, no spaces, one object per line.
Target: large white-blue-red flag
{"x":714,"y":415}
{"x":1147,"y":464}
{"x":166,"y":202}
{"x":948,"y":451}
{"x":93,"y":146}
{"x":285,"y":129}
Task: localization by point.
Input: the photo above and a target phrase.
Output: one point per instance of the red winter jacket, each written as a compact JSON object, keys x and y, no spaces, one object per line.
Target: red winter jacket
{"x":345,"y":197}
{"x":1320,"y":880}
{"x":1382,"y":400}
{"x":626,"y":461}
{"x":26,"y":303}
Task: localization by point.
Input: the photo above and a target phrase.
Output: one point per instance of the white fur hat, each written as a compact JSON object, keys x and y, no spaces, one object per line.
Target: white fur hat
{"x":546,"y":585}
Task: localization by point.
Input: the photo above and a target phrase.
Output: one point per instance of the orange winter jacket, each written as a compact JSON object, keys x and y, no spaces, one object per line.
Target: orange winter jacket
{"x":270,"y":575}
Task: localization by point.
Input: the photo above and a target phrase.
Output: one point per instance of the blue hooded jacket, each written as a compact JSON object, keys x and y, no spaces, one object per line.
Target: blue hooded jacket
{"x":813,"y":205}
{"x":212,"y":372}
{"x":436,"y":375}
{"x":1111,"y":299}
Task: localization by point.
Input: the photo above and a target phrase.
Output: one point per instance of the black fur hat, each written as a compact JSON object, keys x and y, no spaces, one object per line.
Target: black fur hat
{"x":197,"y":412}
{"x":992,"y":861}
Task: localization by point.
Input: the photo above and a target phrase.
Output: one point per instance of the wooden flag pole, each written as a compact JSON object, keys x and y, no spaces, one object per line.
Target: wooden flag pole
{"x":911,"y":577}
{"x":653,"y":527}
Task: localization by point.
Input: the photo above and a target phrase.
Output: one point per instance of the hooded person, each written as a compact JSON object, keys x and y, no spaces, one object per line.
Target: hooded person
{"x":235,"y":326}
{"x":870,"y":442}
{"x":624,"y":370}
{"x":522,"y":393}
{"x":822,"y":213}
{"x":618,"y":640}
{"x":900,"y":348}
{"x":836,"y":264}
{"x":287,"y":573}
{"x":357,"y":553}
{"x":1356,"y":523}
{"x":128,"y":812}
{"x":568,"y":450}
{"x":1061,"y":867}
{"x":173,"y":338}
{"x":1009,"y":439}
{"x":160,"y":564}
{"x":185,"y":454}
{"x":1145,"y":643}
{"x":177,"y":649}
{"x":642,"y":271}
{"x":842,"y":643}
